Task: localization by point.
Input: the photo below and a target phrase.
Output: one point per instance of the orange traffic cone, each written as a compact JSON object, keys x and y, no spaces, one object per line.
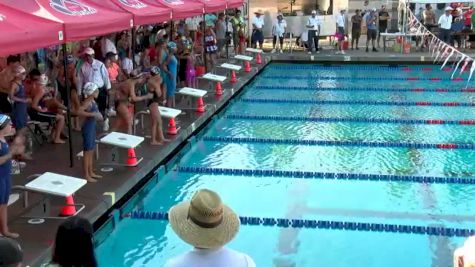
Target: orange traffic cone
{"x":219,"y":89}
{"x":247,"y":66}
{"x":258,"y":58}
{"x":172,"y":126}
{"x":201,"y":105}
{"x":233,"y":77}
{"x":131,"y":158}
{"x":69,"y":209}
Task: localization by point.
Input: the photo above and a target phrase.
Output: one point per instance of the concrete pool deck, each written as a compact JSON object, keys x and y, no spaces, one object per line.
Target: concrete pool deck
{"x":100,"y":197}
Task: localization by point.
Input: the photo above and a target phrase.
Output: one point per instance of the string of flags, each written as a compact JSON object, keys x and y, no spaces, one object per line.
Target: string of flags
{"x":441,"y":51}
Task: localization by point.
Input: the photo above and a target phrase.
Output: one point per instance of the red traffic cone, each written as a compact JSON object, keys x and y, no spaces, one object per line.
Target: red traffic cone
{"x":233,"y":77}
{"x":69,"y":209}
{"x":247,"y":66}
{"x":131,"y":158}
{"x":172,"y":126}
{"x":201,"y":105}
{"x":219,"y":89}
{"x":258,"y":58}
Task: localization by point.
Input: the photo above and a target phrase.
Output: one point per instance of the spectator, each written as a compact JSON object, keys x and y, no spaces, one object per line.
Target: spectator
{"x":278,"y":31}
{"x":429,"y":17}
{"x":356,"y":29}
{"x":11,"y":254}
{"x":20,"y":100}
{"x":239,"y":37}
{"x":107,"y":46}
{"x":313,"y":25}
{"x":221,"y":34}
{"x":371,"y":26}
{"x":40,"y":112}
{"x":74,"y":246}
{"x":456,"y":28}
{"x":445,"y":24}
{"x":468,"y":18}
{"x":6,"y":154}
{"x":61,"y":82}
{"x":383,"y":22}
{"x":208,"y":225}
{"x":92,"y":70}
{"x":340,"y":28}
{"x":91,"y":113}
{"x":210,"y":46}
{"x":257,"y":26}
{"x":6,"y":77}
{"x":127,"y":64}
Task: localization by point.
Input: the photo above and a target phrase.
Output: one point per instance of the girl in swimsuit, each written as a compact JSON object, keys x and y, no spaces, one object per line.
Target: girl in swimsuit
{"x":20,"y":101}
{"x":125,"y":94}
{"x":6,"y":155}
{"x":61,"y":82}
{"x":39,"y":112}
{"x":153,"y":85}
{"x":171,"y":72}
{"x":90,"y":112}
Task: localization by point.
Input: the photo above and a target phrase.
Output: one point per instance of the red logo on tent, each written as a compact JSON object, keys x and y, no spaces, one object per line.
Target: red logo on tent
{"x":72,"y":7}
{"x":174,"y":2}
{"x":133,"y":3}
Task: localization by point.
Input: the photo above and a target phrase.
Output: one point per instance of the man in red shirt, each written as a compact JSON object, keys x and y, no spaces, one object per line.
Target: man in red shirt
{"x":468,"y":18}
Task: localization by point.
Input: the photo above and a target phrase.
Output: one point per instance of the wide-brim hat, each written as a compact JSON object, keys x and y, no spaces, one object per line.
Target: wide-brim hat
{"x":259,"y":11}
{"x":204,"y":222}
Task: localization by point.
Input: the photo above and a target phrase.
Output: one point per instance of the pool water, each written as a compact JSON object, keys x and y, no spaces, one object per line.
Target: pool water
{"x":137,"y":242}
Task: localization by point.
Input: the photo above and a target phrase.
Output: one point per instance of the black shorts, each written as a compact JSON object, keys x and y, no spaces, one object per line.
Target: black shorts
{"x":355,"y":34}
{"x":257,"y":37}
{"x":371,"y":34}
{"x":48,"y":117}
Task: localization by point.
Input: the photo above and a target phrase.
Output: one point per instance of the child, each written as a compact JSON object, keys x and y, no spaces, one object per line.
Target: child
{"x":191,"y":80}
{"x":20,"y":101}
{"x":171,"y":71}
{"x":6,"y":154}
{"x":90,"y":111}
{"x":153,"y":86}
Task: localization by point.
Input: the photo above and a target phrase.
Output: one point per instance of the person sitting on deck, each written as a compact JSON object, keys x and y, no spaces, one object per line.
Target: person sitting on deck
{"x":208,"y":225}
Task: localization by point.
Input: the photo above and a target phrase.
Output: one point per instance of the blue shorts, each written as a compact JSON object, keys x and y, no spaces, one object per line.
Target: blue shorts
{"x":257,"y":37}
{"x":5,"y":189}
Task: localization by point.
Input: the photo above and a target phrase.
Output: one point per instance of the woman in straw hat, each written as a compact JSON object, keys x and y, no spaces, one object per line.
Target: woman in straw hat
{"x":465,"y":256}
{"x":208,"y":225}
{"x":257,"y":26}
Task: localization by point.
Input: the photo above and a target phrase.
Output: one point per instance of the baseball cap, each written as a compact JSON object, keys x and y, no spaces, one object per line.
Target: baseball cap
{"x":448,"y":9}
{"x":10,"y":252}
{"x":89,"y":51}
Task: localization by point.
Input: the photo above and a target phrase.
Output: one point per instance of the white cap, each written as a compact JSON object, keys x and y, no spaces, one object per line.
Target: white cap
{"x":374,"y":9}
{"x":314,"y":12}
{"x":89,"y":51}
{"x":448,"y":9}
{"x":89,"y":88}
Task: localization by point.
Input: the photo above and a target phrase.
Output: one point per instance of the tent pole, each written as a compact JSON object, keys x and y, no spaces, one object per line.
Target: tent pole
{"x":227,"y":33}
{"x":68,"y":110}
{"x":203,"y":28}
{"x":134,"y":44}
{"x":171,"y":31}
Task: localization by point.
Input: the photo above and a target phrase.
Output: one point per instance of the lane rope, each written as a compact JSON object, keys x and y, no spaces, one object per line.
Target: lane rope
{"x":322,"y":77}
{"x":359,"y":67}
{"x":370,"y":89}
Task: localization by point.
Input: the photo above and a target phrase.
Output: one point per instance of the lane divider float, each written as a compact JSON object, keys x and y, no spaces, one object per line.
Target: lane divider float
{"x":371,"y":89}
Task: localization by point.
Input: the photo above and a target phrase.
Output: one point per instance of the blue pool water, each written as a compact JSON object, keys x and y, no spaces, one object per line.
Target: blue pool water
{"x":137,"y":242}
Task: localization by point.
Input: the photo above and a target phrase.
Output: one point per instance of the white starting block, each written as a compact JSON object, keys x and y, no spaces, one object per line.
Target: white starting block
{"x":253,"y":50}
{"x":214,"y":77}
{"x":197,"y":93}
{"x":170,"y":114}
{"x":243,"y":57}
{"x":127,"y":141}
{"x":231,"y":66}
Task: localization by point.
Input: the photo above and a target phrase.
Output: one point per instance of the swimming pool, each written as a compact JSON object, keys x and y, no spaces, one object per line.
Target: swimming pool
{"x":348,"y":143}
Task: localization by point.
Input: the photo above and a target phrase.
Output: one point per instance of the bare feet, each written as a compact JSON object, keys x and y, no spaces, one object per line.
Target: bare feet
{"x":96,"y":176}
{"x":91,"y":180}
{"x":59,"y":141}
{"x":11,"y":235}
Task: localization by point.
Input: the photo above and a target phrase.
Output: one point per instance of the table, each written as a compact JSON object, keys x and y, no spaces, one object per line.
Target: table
{"x":50,"y":183}
{"x":127,"y":141}
{"x":397,"y":34}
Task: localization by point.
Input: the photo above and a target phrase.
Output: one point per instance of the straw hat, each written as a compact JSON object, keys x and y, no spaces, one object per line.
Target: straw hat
{"x":259,"y":11}
{"x":204,"y":222}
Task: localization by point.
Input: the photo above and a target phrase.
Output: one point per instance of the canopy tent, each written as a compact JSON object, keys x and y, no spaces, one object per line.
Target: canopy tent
{"x":82,"y":19}
{"x":145,"y":11}
{"x":235,"y":3}
{"x":182,"y":9}
{"x":214,"y":5}
{"x":24,"y":32}
{"x":438,"y":1}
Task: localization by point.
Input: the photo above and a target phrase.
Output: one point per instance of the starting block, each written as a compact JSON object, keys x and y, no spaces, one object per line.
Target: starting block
{"x":170,"y":114}
{"x":232,"y":68}
{"x":197,"y":93}
{"x":253,"y":50}
{"x":127,"y":141}
{"x":243,"y":58}
{"x":215,"y":78}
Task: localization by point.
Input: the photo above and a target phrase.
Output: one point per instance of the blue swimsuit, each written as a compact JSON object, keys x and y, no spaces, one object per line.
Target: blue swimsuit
{"x":20,"y":109}
{"x":171,"y":82}
{"x":5,"y":175}
{"x":89,"y":129}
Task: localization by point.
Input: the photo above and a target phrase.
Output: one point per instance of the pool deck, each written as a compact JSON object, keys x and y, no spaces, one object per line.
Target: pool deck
{"x":100,"y":197}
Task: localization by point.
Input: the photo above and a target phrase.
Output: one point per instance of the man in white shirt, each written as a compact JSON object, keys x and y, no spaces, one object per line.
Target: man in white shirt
{"x":445,"y":24}
{"x":313,"y":26}
{"x":278,"y":31}
{"x":340,"y":30}
{"x":92,"y":70}
{"x":257,"y":25}
{"x":208,"y":225}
